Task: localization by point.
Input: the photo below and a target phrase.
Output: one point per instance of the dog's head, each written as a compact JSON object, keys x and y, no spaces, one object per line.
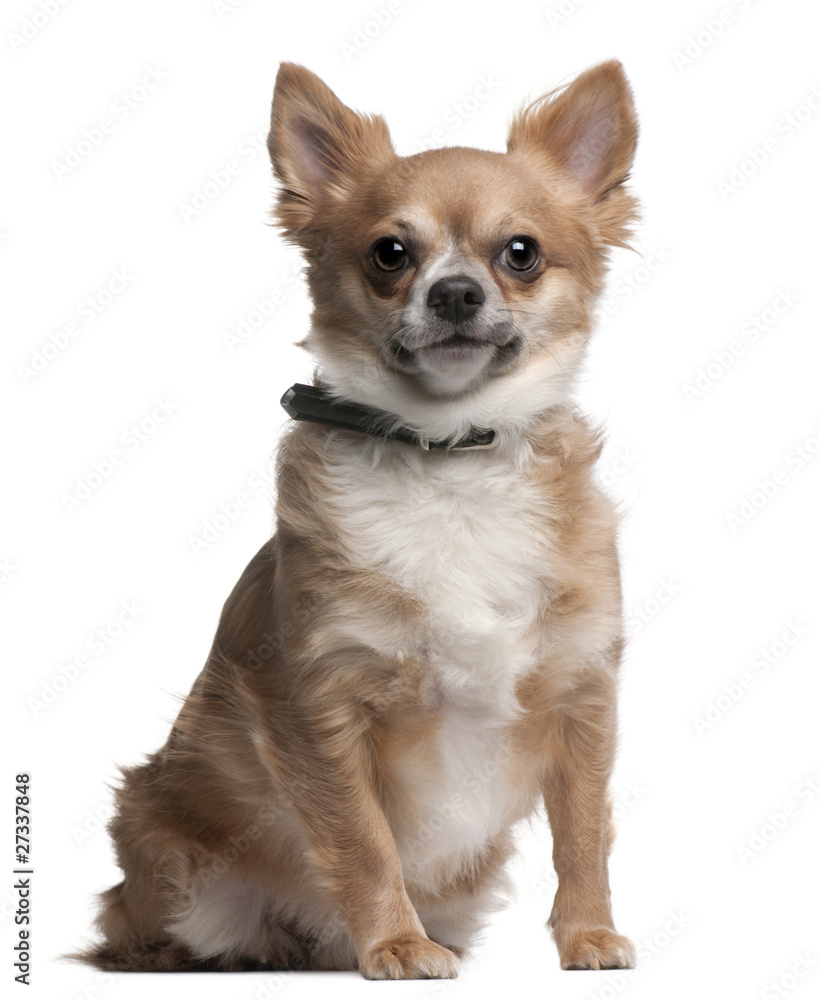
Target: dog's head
{"x":451,"y":284}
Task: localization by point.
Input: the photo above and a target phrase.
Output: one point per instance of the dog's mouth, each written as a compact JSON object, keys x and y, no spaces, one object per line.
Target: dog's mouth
{"x":455,"y":349}
{"x":491,"y":349}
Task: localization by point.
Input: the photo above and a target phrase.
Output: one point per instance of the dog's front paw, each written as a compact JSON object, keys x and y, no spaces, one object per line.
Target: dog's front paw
{"x":600,"y":948}
{"x":408,"y":958}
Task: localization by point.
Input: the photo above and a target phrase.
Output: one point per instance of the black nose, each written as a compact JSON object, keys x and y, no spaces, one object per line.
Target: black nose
{"x":455,"y":299}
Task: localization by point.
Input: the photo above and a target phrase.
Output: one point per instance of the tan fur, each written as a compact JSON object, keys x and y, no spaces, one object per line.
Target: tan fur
{"x":277,"y":795}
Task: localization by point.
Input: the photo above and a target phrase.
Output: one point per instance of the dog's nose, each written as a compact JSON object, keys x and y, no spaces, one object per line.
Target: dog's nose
{"x":455,"y":299}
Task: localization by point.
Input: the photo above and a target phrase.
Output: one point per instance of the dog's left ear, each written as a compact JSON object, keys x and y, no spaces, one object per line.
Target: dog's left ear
{"x":589,"y":128}
{"x":318,"y":145}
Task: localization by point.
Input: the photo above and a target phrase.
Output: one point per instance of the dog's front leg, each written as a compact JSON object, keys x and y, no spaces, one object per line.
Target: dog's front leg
{"x":325,"y":767}
{"x":576,"y":798}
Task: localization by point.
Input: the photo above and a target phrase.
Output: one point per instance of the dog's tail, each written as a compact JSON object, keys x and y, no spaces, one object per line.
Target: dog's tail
{"x":144,"y":956}
{"x":124,"y":950}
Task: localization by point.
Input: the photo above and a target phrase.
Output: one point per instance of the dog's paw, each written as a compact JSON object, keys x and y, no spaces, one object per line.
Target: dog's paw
{"x":600,"y":948}
{"x":408,"y":958}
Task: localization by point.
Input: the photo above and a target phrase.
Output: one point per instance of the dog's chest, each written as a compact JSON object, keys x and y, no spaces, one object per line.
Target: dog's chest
{"x":466,"y":537}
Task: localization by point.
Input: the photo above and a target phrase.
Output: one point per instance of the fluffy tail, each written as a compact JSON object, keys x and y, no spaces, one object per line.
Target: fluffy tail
{"x":145,"y":956}
{"x":126,"y":950}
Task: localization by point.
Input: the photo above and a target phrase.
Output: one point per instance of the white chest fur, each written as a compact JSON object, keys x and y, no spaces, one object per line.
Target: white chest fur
{"x":464,"y":533}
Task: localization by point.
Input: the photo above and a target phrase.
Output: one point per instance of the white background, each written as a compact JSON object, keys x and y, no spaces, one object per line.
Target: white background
{"x":714,"y":872}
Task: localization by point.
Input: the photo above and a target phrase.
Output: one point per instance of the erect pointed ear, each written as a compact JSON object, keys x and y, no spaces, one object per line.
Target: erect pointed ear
{"x":317,"y":145}
{"x":589,"y":128}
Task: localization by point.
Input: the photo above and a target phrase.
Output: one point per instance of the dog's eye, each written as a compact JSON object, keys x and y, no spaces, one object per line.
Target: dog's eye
{"x":521,"y":254}
{"x":388,"y":254}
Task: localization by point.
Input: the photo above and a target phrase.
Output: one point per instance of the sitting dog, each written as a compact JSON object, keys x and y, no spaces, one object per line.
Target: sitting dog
{"x":428,"y":647}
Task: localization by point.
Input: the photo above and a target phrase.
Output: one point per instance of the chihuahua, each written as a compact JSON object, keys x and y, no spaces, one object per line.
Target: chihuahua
{"x":428,"y":647}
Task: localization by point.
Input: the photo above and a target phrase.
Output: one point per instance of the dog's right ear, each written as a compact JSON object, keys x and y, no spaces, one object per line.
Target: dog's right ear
{"x":318,"y":146}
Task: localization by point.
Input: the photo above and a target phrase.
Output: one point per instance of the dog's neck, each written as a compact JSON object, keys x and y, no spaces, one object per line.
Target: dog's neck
{"x":318,"y":406}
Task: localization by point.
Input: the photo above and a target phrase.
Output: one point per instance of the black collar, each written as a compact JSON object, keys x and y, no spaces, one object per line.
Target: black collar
{"x":307,"y":402}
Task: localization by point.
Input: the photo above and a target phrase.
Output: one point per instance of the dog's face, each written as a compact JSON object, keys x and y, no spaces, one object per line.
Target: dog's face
{"x":442,"y":275}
